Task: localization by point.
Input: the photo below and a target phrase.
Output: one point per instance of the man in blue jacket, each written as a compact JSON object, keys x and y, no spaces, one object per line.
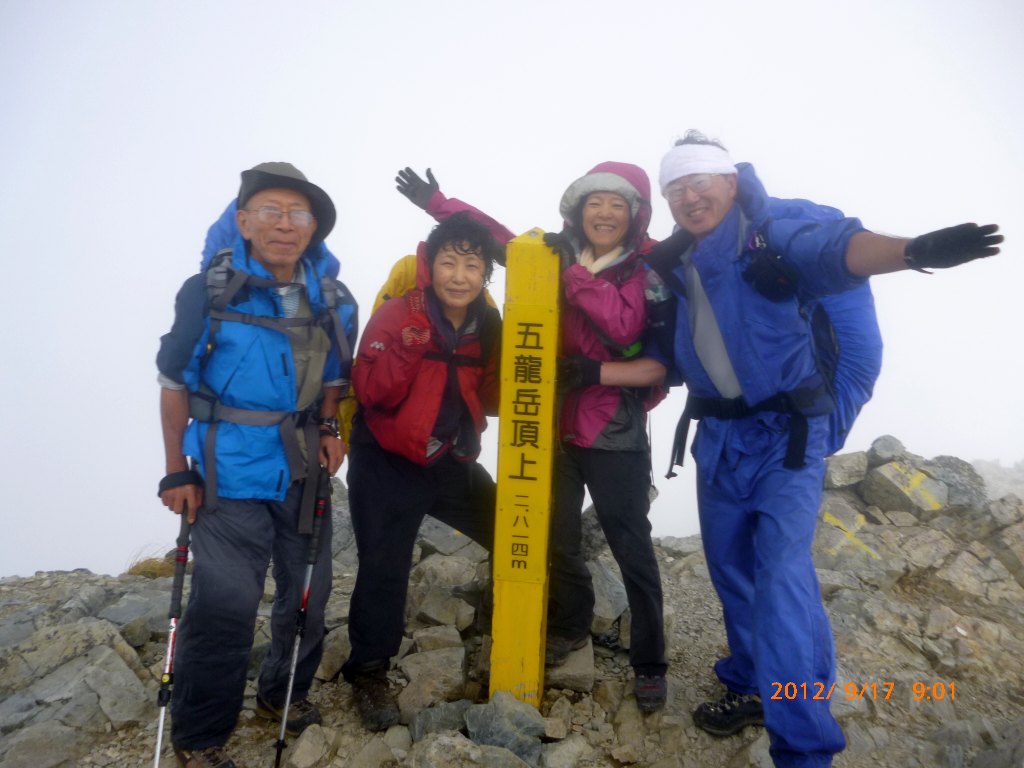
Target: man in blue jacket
{"x":746,"y":272}
{"x":251,"y":374}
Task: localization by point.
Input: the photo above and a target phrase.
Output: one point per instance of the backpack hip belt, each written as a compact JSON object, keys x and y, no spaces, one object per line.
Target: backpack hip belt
{"x":794,"y":402}
{"x":206,"y":407}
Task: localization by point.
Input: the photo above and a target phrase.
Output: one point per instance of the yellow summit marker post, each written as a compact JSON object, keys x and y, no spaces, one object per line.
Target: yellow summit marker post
{"x":526,"y":441}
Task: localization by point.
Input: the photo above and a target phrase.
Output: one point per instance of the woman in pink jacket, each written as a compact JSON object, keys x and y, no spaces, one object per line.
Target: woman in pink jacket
{"x":603,"y":446}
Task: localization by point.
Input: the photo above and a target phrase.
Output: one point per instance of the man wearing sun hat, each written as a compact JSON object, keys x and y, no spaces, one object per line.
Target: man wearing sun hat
{"x":251,"y":375}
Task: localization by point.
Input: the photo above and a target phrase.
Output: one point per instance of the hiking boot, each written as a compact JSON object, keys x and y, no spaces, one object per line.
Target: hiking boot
{"x":373,"y":699}
{"x":730,"y":714}
{"x":650,"y":692}
{"x":301,"y":714}
{"x":559,"y":648}
{"x":212,"y":757}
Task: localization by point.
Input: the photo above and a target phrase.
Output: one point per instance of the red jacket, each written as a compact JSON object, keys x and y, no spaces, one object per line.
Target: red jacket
{"x":401,"y":391}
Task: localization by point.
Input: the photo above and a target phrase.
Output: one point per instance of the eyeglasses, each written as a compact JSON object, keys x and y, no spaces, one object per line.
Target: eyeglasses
{"x":268,"y":214}
{"x":699,"y":182}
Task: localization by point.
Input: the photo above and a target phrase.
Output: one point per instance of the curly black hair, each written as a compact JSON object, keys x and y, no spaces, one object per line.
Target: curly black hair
{"x":465,"y":235}
{"x":694,"y":136}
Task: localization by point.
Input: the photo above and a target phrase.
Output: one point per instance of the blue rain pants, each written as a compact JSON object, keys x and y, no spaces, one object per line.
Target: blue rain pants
{"x":758,"y":519}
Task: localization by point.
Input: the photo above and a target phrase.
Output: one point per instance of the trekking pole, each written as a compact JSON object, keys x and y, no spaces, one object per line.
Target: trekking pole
{"x":163,"y":697}
{"x":323,"y":498}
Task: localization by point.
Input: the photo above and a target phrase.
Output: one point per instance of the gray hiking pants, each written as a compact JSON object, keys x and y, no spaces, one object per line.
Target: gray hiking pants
{"x":231,"y":549}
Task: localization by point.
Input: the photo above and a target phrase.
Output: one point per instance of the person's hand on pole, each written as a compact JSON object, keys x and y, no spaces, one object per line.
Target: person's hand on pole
{"x":183,"y":497}
{"x":952,"y":246}
{"x":415,"y":188}
{"x":560,"y":244}
{"x":332,"y":453}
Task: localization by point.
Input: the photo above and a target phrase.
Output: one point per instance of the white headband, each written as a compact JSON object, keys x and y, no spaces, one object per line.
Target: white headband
{"x":688,"y":159}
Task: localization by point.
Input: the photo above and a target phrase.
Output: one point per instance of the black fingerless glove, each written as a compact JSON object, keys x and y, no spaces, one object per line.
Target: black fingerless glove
{"x":952,"y":246}
{"x":578,"y":371}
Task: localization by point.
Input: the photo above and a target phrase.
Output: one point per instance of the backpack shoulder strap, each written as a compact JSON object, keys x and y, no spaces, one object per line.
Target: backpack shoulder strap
{"x":490,"y":335}
{"x":335,"y":295}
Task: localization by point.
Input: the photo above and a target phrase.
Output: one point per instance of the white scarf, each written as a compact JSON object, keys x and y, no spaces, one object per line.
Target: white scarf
{"x":596,"y":265}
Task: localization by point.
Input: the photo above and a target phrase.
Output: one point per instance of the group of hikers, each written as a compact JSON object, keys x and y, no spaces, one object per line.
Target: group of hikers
{"x":760,"y":306}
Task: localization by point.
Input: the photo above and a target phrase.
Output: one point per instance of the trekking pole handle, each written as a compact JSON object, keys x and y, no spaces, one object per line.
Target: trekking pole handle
{"x":180,"y":563}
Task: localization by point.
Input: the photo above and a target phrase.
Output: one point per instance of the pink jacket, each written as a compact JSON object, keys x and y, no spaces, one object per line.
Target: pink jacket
{"x":611,"y":305}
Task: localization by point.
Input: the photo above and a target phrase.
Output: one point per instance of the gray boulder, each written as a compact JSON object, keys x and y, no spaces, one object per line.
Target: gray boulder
{"x":435,"y":536}
{"x":885,"y":449}
{"x":453,"y":750}
{"x":576,"y":674}
{"x":442,"y":717}
{"x":336,"y":650}
{"x":507,"y":722}
{"x":845,"y":470}
{"x":1008,"y":753}
{"x":966,"y":487}
{"x":343,"y":538}
{"x":151,"y":604}
{"x":45,"y":745}
{"x":900,"y":487}
{"x":610,"y":596}
{"x":594,"y":542}
{"x":682,"y":547}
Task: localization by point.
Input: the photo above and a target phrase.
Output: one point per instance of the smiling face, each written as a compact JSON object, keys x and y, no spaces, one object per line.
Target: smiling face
{"x":457,"y":275}
{"x":605,"y":221}
{"x":277,"y":245}
{"x":700,"y":212}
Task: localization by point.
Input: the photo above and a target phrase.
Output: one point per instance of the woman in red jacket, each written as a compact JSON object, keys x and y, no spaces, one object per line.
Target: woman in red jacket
{"x":425,"y":377}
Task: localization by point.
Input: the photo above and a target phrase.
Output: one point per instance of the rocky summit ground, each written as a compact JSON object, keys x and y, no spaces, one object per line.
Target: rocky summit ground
{"x":922,"y":575}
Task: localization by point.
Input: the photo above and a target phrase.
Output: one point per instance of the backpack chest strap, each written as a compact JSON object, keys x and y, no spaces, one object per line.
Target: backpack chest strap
{"x":206,"y":407}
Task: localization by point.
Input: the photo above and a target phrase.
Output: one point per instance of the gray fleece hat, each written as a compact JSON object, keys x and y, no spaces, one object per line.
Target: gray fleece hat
{"x":287,"y":176}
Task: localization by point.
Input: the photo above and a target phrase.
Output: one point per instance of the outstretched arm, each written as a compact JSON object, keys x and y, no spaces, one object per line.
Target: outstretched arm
{"x":428,"y":196}
{"x":871,"y":254}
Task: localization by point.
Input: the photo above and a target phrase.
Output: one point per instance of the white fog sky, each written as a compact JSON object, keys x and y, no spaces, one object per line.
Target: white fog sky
{"x":124,"y":126}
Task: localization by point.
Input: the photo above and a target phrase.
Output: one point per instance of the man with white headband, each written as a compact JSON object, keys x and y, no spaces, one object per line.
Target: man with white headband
{"x":744,"y":271}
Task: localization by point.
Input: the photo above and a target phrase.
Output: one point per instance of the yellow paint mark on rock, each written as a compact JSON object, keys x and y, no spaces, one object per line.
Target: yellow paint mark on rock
{"x":832,"y":520}
{"x":914,"y":483}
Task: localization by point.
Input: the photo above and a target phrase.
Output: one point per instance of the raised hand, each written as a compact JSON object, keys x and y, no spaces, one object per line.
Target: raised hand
{"x":415,"y":188}
{"x":952,"y":246}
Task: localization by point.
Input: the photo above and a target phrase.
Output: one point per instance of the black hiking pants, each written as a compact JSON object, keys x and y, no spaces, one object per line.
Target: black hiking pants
{"x":231,"y":549}
{"x":619,"y":482}
{"x":388,"y":497}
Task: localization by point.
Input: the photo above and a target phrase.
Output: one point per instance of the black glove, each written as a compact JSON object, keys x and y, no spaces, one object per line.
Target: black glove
{"x":772,"y":277}
{"x":578,"y":371}
{"x":559,"y":243}
{"x":952,"y":246}
{"x":415,"y":188}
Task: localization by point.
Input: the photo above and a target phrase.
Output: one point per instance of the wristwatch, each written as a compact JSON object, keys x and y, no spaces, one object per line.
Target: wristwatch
{"x":331,"y":423}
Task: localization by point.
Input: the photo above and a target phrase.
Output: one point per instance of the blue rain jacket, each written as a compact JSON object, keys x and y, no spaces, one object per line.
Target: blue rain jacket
{"x":250,"y":366}
{"x":769,"y":343}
